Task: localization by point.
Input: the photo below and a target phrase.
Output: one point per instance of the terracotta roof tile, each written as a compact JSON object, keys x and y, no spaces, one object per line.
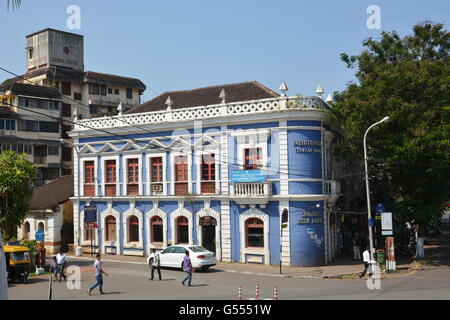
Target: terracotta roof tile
{"x":235,"y":92}
{"x":53,"y":193}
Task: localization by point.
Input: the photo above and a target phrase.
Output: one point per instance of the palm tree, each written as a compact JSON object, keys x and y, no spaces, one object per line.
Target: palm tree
{"x":14,"y":3}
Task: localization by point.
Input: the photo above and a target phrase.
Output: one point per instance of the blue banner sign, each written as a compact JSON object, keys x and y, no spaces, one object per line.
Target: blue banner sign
{"x":248,"y":176}
{"x":90,"y":214}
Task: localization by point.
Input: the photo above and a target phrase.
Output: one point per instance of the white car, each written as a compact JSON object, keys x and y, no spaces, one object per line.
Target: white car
{"x":173,"y":257}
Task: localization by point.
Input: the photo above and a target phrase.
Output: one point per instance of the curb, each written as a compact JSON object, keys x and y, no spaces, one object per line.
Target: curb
{"x":312,"y":277}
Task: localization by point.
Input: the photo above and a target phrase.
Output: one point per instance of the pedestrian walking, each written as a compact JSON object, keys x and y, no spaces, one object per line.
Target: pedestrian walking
{"x":98,"y":274}
{"x":187,"y":267}
{"x":366,"y":260}
{"x":155,"y":263}
{"x":54,"y":268}
{"x":61,"y":259}
{"x":356,"y":248}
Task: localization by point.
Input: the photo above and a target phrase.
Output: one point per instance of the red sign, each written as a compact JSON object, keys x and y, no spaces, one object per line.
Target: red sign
{"x":90,"y":225}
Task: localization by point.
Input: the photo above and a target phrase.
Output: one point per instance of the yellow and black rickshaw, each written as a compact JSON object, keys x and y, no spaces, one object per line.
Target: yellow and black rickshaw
{"x":18,"y":263}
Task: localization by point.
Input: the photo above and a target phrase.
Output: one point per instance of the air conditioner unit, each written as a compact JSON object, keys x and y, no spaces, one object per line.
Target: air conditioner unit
{"x":157,"y":187}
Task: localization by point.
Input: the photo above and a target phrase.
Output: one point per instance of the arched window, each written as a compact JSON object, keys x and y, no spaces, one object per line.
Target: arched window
{"x":26,"y":230}
{"x":133,"y":229}
{"x":254,"y":232}
{"x":41,"y":226}
{"x":156,"y":227}
{"x":110,"y":223}
{"x":182,"y":230}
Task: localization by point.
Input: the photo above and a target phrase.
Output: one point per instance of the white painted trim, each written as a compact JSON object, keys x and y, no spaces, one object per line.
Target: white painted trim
{"x":81,"y":181}
{"x":174,"y":154}
{"x":110,"y":212}
{"x":118,"y":165}
{"x":241,"y":145}
{"x":155,"y":154}
{"x":181,"y":211}
{"x":150,"y":214}
{"x":216,"y":215}
{"x":125,"y":171}
{"x":132,"y":211}
{"x":254,"y":213}
{"x":198,"y":156}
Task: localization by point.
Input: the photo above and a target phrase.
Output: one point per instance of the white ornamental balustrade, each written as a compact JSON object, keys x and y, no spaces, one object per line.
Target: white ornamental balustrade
{"x":203,"y":112}
{"x":246,"y":189}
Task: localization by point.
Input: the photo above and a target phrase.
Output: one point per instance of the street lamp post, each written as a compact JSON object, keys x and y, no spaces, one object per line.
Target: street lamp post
{"x":369,"y":214}
{"x":79,"y":249}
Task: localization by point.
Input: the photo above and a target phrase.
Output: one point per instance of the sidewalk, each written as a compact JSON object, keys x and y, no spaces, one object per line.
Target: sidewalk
{"x":341,"y":267}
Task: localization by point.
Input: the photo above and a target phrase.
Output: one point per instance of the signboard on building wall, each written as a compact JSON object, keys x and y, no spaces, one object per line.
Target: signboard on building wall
{"x":90,"y":217}
{"x":248,"y":176}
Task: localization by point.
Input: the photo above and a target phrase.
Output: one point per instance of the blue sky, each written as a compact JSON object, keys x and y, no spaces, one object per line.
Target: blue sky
{"x":179,"y":44}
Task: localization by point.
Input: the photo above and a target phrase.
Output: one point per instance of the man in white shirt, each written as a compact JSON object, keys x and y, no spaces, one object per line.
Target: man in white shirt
{"x":155,"y":264}
{"x":61,"y":260}
{"x":366,"y":259}
{"x":98,"y":273}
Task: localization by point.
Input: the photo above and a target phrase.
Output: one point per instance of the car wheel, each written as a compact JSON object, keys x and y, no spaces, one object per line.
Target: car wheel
{"x":24,"y":280}
{"x":205,"y":268}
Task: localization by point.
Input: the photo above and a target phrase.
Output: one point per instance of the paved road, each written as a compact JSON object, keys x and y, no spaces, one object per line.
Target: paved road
{"x":130,"y":281}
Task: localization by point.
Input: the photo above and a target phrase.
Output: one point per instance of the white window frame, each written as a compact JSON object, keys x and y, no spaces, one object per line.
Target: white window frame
{"x":148,"y":156}
{"x":110,"y":212}
{"x":254,"y":213}
{"x":172,"y":164}
{"x":125,"y":172}
{"x":199,"y":156}
{"x":132,"y":211}
{"x":240,"y":137}
{"x":81,"y":181}
{"x":103,"y":166}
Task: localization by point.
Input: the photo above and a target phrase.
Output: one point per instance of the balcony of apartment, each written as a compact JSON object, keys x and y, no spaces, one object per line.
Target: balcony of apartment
{"x":249,"y":187}
{"x":111,"y":101}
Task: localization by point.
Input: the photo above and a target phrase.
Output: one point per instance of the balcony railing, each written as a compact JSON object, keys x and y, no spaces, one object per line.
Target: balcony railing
{"x":204,"y":112}
{"x":250,"y":192}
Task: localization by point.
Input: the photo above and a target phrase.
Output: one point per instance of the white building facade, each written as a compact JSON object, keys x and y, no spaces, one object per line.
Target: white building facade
{"x":219,"y":175}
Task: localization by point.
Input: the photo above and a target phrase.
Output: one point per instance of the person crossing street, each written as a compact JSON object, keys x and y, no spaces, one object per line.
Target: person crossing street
{"x":98,"y":273}
{"x":155,"y":263}
{"x":187,"y":267}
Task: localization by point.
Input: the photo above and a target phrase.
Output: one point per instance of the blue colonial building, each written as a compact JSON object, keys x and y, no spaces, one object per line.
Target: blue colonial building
{"x":215,"y":166}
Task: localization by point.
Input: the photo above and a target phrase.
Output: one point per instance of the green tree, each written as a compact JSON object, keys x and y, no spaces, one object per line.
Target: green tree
{"x":16,"y":175}
{"x":408,"y":80}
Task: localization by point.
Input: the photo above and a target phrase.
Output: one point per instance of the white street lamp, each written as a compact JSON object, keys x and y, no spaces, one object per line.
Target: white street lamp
{"x":79,"y":249}
{"x":369,"y":214}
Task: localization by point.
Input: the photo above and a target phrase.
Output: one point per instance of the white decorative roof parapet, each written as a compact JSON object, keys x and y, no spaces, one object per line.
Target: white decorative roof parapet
{"x":223,"y":96}
{"x":232,"y":109}
{"x":169,"y":103}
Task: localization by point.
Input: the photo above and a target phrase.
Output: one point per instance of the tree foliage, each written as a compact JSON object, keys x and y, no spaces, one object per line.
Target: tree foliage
{"x":407,"y":79}
{"x":16,"y":175}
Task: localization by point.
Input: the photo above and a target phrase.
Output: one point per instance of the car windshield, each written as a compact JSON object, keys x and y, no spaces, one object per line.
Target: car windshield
{"x":198,"y":249}
{"x":20,"y":256}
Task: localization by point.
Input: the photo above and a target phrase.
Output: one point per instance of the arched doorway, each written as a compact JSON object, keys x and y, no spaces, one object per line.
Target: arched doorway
{"x":41,"y":226}
{"x":26,"y":230}
{"x":208,"y":225}
{"x":182,"y":230}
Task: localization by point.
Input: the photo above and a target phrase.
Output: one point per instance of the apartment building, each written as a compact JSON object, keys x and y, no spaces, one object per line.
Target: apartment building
{"x":30,"y":123}
{"x":55,"y":59}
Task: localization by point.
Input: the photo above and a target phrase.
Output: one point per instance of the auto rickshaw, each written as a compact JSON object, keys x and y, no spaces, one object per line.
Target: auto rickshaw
{"x":18,"y":263}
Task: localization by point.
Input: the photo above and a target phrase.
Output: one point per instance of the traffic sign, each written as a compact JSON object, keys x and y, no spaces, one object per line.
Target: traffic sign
{"x":380,"y":208}
{"x":370,"y":222}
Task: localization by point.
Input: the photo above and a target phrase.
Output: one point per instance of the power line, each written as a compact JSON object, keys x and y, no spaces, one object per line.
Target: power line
{"x":130,"y":124}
